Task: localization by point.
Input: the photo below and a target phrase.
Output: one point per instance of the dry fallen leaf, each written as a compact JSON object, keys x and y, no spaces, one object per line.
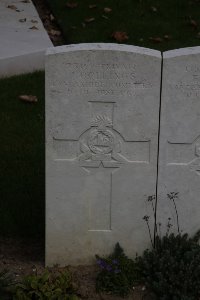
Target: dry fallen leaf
{"x":154,"y":9}
{"x":28,"y":98}
{"x":167,"y":37}
{"x":33,"y":28}
{"x":107,"y":10}
{"x":22,"y":20}
{"x":156,"y":39}
{"x":51,"y":17}
{"x":12,"y":7}
{"x":55,"y":32}
{"x":193,"y":23}
{"x":120,"y":36}
{"x":89,"y":20}
{"x":92,"y":6}
{"x":71,"y":4}
{"x":105,"y":17}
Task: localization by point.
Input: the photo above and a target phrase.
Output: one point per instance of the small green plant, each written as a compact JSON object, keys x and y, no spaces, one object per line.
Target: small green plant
{"x":173,"y":196}
{"x":117,"y":273}
{"x":5,"y":283}
{"x":172,"y":269}
{"x":47,"y":286}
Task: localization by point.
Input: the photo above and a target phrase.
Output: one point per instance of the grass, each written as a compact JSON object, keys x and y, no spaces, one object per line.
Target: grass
{"x":140,"y":19}
{"x":22,"y":156}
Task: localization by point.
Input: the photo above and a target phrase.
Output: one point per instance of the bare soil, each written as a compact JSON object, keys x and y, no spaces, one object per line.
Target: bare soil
{"x":25,"y":256}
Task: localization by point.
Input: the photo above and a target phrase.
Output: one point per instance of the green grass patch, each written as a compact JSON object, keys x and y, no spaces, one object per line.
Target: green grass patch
{"x":22,"y":156}
{"x":175,"y":22}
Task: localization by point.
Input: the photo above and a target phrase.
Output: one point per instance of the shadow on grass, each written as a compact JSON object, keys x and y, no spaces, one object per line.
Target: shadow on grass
{"x":22,"y":157}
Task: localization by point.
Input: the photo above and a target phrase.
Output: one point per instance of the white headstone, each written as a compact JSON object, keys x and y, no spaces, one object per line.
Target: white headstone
{"x":179,"y":163}
{"x":102,"y":116}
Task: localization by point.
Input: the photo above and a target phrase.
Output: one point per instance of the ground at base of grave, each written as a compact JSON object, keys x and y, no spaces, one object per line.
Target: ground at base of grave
{"x":22,"y":257}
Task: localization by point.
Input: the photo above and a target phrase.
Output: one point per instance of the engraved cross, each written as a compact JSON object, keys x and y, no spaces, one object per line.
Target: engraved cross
{"x":102,"y":151}
{"x":185,"y":154}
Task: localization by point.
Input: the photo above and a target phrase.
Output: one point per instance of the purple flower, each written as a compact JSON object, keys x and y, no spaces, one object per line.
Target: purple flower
{"x":101,"y":263}
{"x":109,"y":268}
{"x":115,"y":261}
{"x":117,"y":271}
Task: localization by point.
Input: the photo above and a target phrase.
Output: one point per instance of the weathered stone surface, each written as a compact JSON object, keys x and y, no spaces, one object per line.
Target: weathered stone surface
{"x":102,"y":116}
{"x":23,"y":38}
{"x":179,"y":163}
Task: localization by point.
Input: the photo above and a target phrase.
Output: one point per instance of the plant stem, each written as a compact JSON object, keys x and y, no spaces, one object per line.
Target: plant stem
{"x":177,"y":220}
{"x":150,"y":235}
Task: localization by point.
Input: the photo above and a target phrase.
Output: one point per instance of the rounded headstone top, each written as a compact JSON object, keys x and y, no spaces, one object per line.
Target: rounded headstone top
{"x":182,"y":52}
{"x":103,"y":46}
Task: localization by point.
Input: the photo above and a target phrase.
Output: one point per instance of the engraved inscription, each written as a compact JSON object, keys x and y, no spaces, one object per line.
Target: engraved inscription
{"x":191,"y":85}
{"x":105,"y":79}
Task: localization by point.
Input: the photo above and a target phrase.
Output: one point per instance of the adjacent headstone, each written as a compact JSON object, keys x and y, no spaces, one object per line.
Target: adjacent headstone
{"x":179,"y":162}
{"x":102,"y":119}
{"x":23,"y":38}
